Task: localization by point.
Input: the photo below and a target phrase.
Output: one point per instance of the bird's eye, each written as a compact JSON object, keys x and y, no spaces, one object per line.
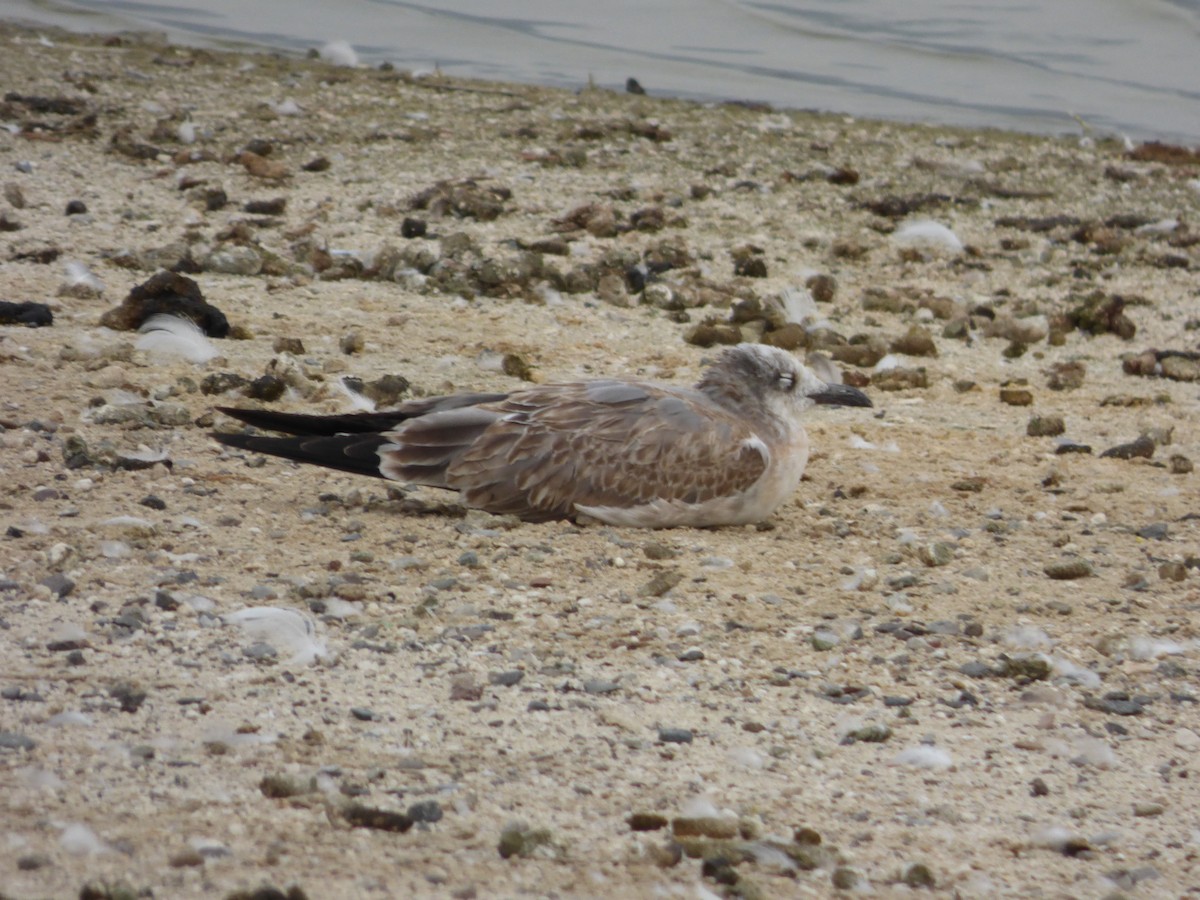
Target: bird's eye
{"x":787,"y":381}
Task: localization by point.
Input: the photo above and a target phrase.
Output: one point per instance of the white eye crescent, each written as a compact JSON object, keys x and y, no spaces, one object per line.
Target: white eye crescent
{"x":787,"y":381}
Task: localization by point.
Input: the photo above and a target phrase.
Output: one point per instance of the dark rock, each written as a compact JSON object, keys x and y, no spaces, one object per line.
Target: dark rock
{"x":1142,"y":448}
{"x":643,"y":821}
{"x":222,"y":382}
{"x":129,"y":695}
{"x":675,"y":735}
{"x":1098,"y":313}
{"x":281,"y":787}
{"x":522,"y":841}
{"x":33,"y":315}
{"x":413,"y":227}
{"x":171,"y":294}
{"x":425,"y":811}
{"x":1045,"y":426}
{"x":59,"y":584}
{"x":1117,"y":703}
{"x":1072,"y":447}
{"x":267,"y":388}
{"x":272,"y":207}
{"x":506,"y":679}
{"x":76,"y":208}
{"x":462,"y":199}
{"x":360,"y":816}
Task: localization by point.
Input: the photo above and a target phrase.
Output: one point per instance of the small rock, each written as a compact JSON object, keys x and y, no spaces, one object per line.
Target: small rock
{"x":279,"y":787}
{"x":1173,"y":571}
{"x":875,"y":733}
{"x":1146,"y":810}
{"x":1067,"y":376}
{"x":600,"y":686}
{"x":1016,"y":396}
{"x":1142,"y":448}
{"x":675,"y":735}
{"x":11,"y":740}
{"x":1045,"y":426}
{"x":1179,"y":464}
{"x":936,"y":554}
{"x":523,"y":841}
{"x":662,"y":582}
{"x":919,"y":875}
{"x":844,"y":878}
{"x":1069,"y":569}
{"x":186,"y":858}
{"x":917,"y":341}
{"x":360,"y":816}
{"x":427,"y":811}
{"x":643,"y":821}
{"x":506,"y":679}
{"x":234,"y":261}
{"x":716,"y":827}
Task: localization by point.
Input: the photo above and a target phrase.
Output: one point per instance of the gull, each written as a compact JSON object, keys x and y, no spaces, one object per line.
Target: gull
{"x":626,"y":452}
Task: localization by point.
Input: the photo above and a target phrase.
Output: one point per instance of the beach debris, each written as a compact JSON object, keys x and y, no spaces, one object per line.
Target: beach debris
{"x":166,"y":337}
{"x":171,"y":294}
{"x":33,"y":315}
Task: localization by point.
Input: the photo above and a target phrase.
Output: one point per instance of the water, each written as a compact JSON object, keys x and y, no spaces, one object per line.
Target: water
{"x":1129,"y":67}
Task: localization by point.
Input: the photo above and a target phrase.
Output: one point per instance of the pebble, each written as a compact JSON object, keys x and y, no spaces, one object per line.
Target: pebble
{"x":234,"y":261}
{"x":675,"y":735}
{"x":647,"y":821}
{"x":1015,"y":395}
{"x":427,"y":811}
{"x":1069,"y":569}
{"x":1117,"y":703}
{"x":59,"y":585}
{"x":506,"y":679}
{"x":936,"y":554}
{"x":360,"y":816}
{"x":919,"y":875}
{"x":1142,"y":448}
{"x":518,"y":839}
{"x":716,"y":827}
{"x":12,"y":740}
{"x":600,"y":686}
{"x":279,"y":786}
{"x":1045,"y":426}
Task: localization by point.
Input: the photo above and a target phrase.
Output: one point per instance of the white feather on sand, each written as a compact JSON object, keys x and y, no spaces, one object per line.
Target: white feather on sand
{"x":167,"y":337}
{"x":284,"y":628}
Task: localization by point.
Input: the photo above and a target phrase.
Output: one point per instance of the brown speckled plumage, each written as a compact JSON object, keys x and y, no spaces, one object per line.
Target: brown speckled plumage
{"x":728,"y":450}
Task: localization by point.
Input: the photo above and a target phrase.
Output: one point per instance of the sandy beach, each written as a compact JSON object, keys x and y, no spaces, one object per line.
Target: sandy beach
{"x":961,"y":661}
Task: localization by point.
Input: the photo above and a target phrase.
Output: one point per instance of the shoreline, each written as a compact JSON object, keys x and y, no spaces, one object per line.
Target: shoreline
{"x":959,"y":659}
{"x":1064,"y":110}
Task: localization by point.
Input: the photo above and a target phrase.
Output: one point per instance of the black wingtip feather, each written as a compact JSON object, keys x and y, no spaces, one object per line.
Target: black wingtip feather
{"x":302,"y":424}
{"x":355,"y":453}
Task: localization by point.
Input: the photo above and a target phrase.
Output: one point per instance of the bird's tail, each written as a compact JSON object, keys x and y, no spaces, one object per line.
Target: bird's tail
{"x":356,"y":453}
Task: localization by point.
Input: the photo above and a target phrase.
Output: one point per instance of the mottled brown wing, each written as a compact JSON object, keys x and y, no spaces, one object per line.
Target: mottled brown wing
{"x":604,"y":443}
